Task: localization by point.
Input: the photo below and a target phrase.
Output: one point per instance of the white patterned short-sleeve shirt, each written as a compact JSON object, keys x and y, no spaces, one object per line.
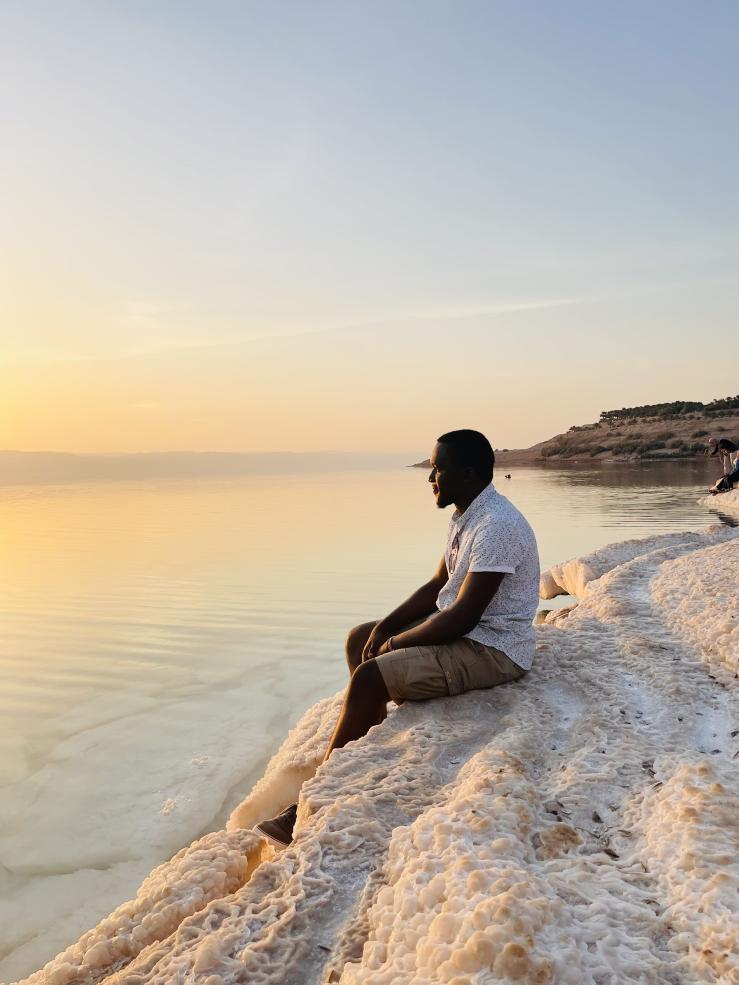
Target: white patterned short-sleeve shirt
{"x":492,"y":535}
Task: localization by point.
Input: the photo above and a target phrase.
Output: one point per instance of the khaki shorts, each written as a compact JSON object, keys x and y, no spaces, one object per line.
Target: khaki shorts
{"x":417,"y":673}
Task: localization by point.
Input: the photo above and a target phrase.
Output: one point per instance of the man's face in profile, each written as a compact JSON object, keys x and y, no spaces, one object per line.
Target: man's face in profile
{"x":445,"y":477}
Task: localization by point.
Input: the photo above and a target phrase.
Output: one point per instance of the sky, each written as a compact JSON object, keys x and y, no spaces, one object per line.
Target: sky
{"x":356,"y":225}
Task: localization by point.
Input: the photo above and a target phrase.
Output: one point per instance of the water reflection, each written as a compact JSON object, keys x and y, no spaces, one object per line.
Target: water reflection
{"x":574,"y":510}
{"x":690,"y":472}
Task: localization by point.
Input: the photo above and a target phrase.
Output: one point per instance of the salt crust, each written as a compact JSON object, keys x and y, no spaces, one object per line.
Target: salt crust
{"x":690,"y":829}
{"x":208,"y":869}
{"x":727,"y":502}
{"x":680,"y":590}
{"x":572,"y":577}
{"x":575,"y":826}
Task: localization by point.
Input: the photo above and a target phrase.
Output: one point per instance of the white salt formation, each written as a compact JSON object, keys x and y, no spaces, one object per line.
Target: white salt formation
{"x":727,"y":502}
{"x":680,"y":591}
{"x":572,"y":577}
{"x":576,"y":827}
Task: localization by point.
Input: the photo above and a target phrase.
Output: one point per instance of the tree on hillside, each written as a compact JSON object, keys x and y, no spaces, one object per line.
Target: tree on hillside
{"x":675,"y":409}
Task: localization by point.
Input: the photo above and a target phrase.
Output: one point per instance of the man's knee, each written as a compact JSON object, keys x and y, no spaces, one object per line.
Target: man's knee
{"x":367,"y":683}
{"x":355,"y":642}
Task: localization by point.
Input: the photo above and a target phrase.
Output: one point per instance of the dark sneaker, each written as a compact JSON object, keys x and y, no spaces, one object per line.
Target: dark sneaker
{"x":279,"y":830}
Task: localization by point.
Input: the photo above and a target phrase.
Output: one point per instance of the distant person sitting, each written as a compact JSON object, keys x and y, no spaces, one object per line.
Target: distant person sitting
{"x":728,"y":452}
{"x":469,"y":627}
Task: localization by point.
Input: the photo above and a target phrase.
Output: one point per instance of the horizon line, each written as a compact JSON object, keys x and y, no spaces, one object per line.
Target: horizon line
{"x":191,"y":451}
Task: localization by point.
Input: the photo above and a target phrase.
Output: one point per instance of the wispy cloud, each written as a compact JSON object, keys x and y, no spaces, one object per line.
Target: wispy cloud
{"x":146,"y":318}
{"x":440,"y":313}
{"x":379,"y":320}
{"x":454,"y":312}
{"x":153,"y":319}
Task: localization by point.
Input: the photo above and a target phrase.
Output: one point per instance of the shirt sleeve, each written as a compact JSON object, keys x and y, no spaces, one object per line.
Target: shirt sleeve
{"x":495,"y":550}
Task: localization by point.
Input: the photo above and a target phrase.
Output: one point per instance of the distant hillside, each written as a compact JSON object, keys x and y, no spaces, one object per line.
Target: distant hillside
{"x":654,"y":431}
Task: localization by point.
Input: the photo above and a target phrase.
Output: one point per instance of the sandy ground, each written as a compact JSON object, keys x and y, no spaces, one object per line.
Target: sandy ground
{"x":577,"y":826}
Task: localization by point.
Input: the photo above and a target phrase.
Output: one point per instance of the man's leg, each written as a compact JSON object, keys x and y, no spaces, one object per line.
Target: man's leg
{"x":365,"y":705}
{"x":355,"y":644}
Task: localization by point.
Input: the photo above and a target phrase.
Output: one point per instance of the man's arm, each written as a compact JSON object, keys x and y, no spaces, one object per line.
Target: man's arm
{"x":421,"y":603}
{"x":476,"y":593}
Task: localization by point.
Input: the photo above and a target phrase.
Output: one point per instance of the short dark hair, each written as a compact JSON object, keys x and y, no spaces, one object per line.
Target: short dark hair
{"x":471,"y":449}
{"x":715,"y":445}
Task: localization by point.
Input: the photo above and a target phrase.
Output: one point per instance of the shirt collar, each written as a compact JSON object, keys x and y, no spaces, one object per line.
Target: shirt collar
{"x":479,"y":504}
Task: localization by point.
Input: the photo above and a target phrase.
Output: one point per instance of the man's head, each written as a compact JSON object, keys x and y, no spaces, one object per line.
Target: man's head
{"x":461,"y":466}
{"x":715,"y":445}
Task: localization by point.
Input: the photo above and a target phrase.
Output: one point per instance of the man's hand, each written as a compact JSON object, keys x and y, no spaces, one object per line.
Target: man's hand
{"x":377,"y":638}
{"x":420,"y":605}
{"x":460,"y":618}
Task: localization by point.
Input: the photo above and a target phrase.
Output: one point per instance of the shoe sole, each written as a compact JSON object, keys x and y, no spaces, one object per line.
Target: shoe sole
{"x":271,"y":838}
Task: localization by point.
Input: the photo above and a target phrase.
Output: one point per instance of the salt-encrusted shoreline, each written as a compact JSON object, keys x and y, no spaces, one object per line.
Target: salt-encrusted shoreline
{"x":577,"y":826}
{"x":726,"y":502}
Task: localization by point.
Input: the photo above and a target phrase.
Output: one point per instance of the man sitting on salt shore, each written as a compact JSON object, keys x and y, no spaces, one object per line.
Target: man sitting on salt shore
{"x":469,"y":627}
{"x":728,"y":453}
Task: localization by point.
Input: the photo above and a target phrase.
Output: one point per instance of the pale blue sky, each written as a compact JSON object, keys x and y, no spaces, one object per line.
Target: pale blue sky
{"x":498,"y":215}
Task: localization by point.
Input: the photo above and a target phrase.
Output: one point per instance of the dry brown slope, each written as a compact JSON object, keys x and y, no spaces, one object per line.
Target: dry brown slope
{"x":679,"y":436}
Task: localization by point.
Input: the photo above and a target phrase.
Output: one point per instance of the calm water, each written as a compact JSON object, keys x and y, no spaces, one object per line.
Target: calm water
{"x":159,"y":639}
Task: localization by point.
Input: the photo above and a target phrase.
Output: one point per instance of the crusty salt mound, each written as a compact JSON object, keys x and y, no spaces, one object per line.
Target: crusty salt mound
{"x":578,"y":826}
{"x":680,"y":591}
{"x":572,"y":577}
{"x":727,"y":502}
